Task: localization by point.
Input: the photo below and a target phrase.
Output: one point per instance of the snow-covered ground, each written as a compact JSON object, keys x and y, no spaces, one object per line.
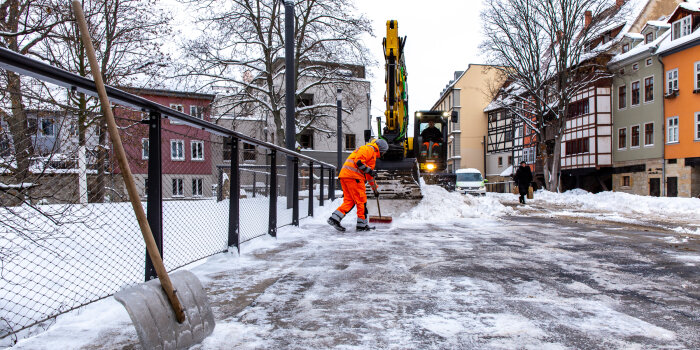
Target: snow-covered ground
{"x":453,"y":272}
{"x":678,"y":214}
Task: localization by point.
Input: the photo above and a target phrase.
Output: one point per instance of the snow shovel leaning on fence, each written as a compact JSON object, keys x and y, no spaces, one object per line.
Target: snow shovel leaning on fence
{"x":163,"y":319}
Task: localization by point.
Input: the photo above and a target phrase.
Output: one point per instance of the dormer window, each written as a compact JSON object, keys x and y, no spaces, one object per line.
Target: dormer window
{"x":681,"y":27}
{"x":649,"y":37}
{"x":625,"y":48}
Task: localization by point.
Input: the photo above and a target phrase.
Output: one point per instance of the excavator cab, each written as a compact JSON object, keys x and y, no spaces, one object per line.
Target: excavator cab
{"x":430,"y":146}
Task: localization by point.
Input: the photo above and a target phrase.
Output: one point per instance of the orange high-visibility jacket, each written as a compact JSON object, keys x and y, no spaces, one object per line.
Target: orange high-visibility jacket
{"x":368,"y":154}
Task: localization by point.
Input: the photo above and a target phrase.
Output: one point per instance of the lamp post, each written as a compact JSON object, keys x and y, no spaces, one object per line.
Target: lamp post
{"x":290,"y":93}
{"x":339,"y":102}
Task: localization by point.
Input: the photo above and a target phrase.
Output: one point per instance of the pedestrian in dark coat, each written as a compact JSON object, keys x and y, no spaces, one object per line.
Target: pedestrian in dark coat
{"x":523,"y":178}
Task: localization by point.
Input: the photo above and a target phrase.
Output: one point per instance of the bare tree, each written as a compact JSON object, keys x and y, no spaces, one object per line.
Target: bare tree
{"x":23,"y":25}
{"x":544,"y":48}
{"x":128,"y":35}
{"x":243,"y":47}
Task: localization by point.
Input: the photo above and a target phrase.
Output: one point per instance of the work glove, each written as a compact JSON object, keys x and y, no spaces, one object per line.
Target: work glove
{"x":372,"y":173}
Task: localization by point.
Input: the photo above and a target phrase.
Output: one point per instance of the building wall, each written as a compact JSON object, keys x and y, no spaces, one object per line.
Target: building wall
{"x":688,"y":178}
{"x":469,"y":95}
{"x":685,"y":105}
{"x":492,"y":167}
{"x":595,"y":127}
{"x":639,"y":181}
{"x":641,"y":114}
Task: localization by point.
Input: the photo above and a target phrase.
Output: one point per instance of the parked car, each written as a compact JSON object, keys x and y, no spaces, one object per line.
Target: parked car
{"x":470,"y":181}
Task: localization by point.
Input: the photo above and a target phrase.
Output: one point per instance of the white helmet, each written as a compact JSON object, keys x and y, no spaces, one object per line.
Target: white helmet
{"x":382,"y":145}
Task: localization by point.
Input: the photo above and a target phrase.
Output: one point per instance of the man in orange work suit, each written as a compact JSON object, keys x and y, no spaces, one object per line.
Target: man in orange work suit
{"x":358,"y":168}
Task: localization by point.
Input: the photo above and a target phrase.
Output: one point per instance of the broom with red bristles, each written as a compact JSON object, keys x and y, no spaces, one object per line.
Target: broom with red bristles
{"x":379,"y":219}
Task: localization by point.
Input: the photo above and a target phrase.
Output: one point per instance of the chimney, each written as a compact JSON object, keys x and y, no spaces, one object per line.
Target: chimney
{"x":619,"y":3}
{"x":589,"y":18}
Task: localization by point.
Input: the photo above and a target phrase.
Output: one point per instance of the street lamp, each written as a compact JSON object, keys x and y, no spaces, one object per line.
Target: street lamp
{"x":339,"y":102}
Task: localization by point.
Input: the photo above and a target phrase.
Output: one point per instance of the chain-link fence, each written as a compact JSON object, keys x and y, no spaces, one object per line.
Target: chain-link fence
{"x":68,"y":234}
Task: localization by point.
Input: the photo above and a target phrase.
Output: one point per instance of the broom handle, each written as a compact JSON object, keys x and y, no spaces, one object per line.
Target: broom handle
{"x":376,"y":195}
{"x":124,"y":166}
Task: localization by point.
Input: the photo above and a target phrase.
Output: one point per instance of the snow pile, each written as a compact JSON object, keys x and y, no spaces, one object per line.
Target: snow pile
{"x":439,"y":205}
{"x":622,"y":203}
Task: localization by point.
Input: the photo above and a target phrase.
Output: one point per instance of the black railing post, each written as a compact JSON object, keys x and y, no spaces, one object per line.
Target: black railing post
{"x":234,"y":197}
{"x":295,"y":193}
{"x":272,"y":230}
{"x":254,"y":181}
{"x":311,"y":188}
{"x":331,"y":184}
{"x":154,"y":201}
{"x":220,"y":185}
{"x":320,"y":188}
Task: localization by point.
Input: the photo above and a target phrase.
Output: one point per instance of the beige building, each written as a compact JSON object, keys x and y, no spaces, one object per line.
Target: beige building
{"x":468,"y":94}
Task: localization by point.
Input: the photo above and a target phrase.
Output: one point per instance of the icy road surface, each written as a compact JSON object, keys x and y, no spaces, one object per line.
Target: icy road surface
{"x":457,"y":273}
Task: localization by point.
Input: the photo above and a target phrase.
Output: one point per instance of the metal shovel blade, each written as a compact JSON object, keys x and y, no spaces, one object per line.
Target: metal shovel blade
{"x":155,"y":320}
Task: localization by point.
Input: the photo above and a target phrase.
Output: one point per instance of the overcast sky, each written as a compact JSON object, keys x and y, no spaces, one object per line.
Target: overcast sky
{"x":443,"y":37}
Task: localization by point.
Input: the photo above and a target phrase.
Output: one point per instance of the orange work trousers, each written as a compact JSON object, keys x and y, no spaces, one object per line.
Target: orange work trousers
{"x":353,"y":195}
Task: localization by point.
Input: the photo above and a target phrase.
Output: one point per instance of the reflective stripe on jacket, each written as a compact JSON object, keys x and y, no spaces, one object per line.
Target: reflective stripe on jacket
{"x":368,"y":155}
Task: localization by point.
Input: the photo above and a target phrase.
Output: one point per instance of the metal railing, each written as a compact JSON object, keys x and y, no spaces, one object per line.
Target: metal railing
{"x":500,"y":187}
{"x":69,"y":237}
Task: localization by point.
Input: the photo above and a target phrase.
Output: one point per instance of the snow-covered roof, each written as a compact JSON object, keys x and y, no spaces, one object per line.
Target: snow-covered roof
{"x":668,"y":44}
{"x":638,"y":50}
{"x":659,"y":24}
{"x":690,"y":6}
{"x":634,"y":36}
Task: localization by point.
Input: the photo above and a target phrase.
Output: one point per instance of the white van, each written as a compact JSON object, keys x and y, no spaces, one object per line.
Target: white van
{"x":470,"y":181}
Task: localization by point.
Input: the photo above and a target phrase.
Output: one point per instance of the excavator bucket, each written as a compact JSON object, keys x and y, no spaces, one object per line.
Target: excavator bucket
{"x":398,"y":179}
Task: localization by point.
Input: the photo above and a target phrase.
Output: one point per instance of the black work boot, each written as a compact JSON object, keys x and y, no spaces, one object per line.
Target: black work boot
{"x":362,"y":225}
{"x":334,"y":220}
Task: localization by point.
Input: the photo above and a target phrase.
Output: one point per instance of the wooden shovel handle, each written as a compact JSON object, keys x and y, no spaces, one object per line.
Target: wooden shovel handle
{"x":124,"y":166}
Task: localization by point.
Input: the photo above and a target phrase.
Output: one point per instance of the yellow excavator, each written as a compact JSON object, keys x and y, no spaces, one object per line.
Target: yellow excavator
{"x":408,"y":158}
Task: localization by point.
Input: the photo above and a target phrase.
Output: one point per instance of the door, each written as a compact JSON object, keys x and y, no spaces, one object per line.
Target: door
{"x":655,"y":187}
{"x":672,"y":186}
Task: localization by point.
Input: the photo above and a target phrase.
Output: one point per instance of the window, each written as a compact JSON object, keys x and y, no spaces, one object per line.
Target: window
{"x":697,"y":75}
{"x":672,"y":161}
{"x":144,"y":149}
{"x":625,"y":181}
{"x":649,"y":134}
{"x":304,"y":100}
{"x":578,"y":108}
{"x":177,"y":107}
{"x":635,"y":66}
{"x":197,"y":187}
{"x":529,"y":155}
{"x":500,"y":161}
{"x":32,"y":126}
{"x":634,"y":142}
{"x":196,"y":111}
{"x":510,"y":160}
{"x":577,"y":146}
{"x":697,"y":126}
{"x":649,"y":89}
{"x":635,"y":93}
{"x":672,"y":81}
{"x":622,"y":71}
{"x":649,"y":62}
{"x":649,"y":37}
{"x":226,"y":151}
{"x":350,"y":142}
{"x":47,"y":127}
{"x":622,"y":97}
{"x":306,"y":139}
{"x":622,"y":138}
{"x":249,"y":152}
{"x":625,"y":48}
{"x":681,"y":27}
{"x":197,"y":148}
{"x":178,"y":188}
{"x":177,"y":150}
{"x":672,"y":130}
